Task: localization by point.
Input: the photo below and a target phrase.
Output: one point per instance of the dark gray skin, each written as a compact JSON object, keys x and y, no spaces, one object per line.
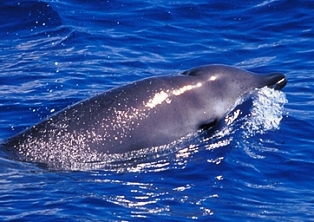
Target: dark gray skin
{"x":147,"y":113}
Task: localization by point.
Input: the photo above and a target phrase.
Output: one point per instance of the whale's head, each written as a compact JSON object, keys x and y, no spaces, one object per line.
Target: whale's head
{"x":223,"y":85}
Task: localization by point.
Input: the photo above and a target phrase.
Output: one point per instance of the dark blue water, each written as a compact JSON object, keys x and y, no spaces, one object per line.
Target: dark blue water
{"x":55,"y":53}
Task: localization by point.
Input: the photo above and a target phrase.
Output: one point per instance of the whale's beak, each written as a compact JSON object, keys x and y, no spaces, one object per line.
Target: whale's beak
{"x":276,"y":80}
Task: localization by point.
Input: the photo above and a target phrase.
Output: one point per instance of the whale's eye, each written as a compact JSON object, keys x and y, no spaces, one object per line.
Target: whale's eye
{"x":207,"y":124}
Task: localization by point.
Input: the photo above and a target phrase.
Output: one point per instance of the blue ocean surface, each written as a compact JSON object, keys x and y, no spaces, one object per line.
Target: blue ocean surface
{"x":259,"y":168}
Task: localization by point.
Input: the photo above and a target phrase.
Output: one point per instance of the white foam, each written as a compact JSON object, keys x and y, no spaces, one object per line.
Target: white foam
{"x":266,"y":113}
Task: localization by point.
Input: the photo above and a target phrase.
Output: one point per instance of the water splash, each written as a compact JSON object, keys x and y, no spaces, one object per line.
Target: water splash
{"x":266,"y":113}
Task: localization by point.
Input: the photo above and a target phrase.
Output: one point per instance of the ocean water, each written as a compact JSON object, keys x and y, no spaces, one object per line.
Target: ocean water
{"x":258,"y":168}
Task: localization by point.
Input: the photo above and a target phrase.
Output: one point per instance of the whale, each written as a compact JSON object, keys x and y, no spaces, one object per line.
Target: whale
{"x":147,"y":113}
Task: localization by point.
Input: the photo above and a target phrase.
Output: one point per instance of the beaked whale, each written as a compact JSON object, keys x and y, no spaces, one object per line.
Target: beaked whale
{"x":147,"y":113}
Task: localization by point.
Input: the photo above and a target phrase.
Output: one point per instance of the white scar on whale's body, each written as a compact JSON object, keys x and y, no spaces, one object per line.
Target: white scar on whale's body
{"x":165,"y":96}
